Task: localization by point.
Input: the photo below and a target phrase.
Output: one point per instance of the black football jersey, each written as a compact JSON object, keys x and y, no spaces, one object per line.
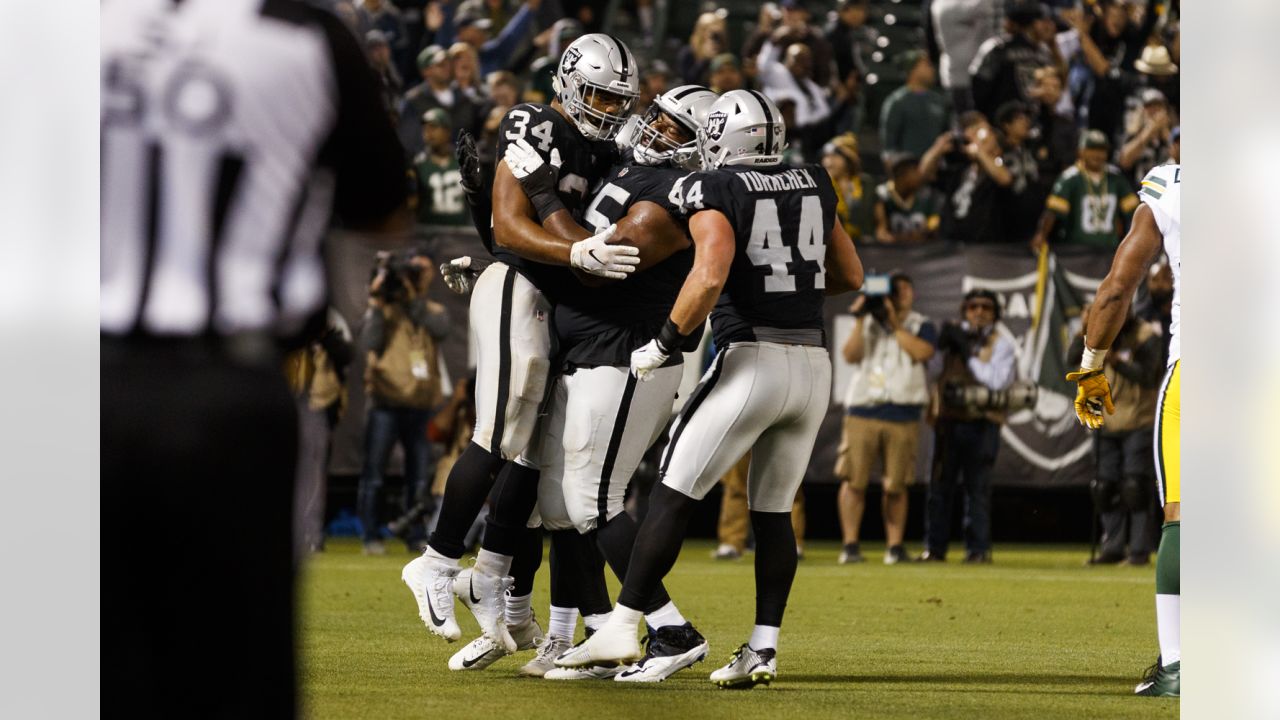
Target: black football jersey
{"x":580,"y":162}
{"x":782,"y":217}
{"x":602,"y":326}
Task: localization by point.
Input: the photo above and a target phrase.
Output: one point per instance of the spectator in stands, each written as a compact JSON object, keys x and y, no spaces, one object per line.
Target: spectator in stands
{"x":1157,"y":70}
{"x":436,"y":91}
{"x":852,"y":40}
{"x":1055,"y":133}
{"x":503,"y":89}
{"x":796,"y":28}
{"x":538,"y":89}
{"x":1082,"y":207}
{"x":400,"y":333}
{"x":653,"y":82}
{"x":385,"y":17}
{"x":907,"y":210}
{"x":1110,"y":44}
{"x":914,"y":115}
{"x":855,"y":197}
{"x":710,"y":38}
{"x":884,"y":404}
{"x":439,"y":195}
{"x":768,"y":20}
{"x":1124,"y":465}
{"x":1148,"y":143}
{"x":792,"y":79}
{"x":466,"y":72}
{"x":494,"y":54}
{"x":726,"y":74}
{"x":957,"y":28}
{"x":969,"y":168}
{"x":966,"y":434}
{"x":849,"y":105}
{"x":1005,"y":65}
{"x":389,"y":82}
{"x":1023,"y":198}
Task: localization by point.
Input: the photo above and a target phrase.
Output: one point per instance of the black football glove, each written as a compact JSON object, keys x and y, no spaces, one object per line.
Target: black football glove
{"x":469,"y":164}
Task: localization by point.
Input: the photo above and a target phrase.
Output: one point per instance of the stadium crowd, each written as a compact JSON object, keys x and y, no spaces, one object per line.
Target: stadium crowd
{"x":973,"y":121}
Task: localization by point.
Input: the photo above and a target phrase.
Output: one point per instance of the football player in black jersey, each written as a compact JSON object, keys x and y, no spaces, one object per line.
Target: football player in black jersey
{"x":601,"y":420}
{"x":768,"y":246}
{"x":510,"y":312}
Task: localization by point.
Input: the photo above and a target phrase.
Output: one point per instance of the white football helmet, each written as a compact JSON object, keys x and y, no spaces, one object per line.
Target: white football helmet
{"x":687,"y":105}
{"x":743,"y":127}
{"x":594,"y":64}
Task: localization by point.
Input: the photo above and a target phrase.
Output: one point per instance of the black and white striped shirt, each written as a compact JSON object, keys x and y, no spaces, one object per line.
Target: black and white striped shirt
{"x":231,"y":131}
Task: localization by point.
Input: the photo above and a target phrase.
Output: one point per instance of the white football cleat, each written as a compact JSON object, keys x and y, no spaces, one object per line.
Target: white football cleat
{"x":486,"y":596}
{"x":484,"y":651}
{"x":431,"y":582}
{"x":747,"y":668}
{"x":596,"y":672}
{"x":668,"y":650}
{"x":613,"y":644}
{"x":549,"y":649}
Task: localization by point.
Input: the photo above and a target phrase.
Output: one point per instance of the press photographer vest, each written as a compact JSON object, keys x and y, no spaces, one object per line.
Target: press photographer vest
{"x":407,"y":373}
{"x":886,"y":373}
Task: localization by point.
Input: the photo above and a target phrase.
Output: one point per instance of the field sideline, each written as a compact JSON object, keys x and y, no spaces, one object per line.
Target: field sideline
{"x":1035,"y":635}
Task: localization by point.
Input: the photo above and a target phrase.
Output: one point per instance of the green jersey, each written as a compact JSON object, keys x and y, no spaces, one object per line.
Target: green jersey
{"x":440,"y":199}
{"x":916,"y":219}
{"x":1089,"y":213}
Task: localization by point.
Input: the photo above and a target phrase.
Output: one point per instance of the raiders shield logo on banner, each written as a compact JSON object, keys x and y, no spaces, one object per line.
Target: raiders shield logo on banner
{"x":715,"y":124}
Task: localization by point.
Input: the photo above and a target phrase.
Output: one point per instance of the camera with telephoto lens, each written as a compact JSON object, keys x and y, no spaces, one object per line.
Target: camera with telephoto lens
{"x":398,"y":274}
{"x":1020,"y":395}
{"x":876,"y":288}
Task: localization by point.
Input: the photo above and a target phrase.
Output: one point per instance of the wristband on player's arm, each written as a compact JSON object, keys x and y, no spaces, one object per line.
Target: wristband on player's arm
{"x":669,"y":338}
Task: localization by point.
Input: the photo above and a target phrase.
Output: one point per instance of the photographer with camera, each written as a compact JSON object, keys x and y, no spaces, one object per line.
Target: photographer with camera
{"x":977,"y":390}
{"x":400,"y":333}
{"x":885,"y":401}
{"x":1124,"y":476}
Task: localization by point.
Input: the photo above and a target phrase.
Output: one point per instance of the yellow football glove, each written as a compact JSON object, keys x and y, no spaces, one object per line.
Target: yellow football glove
{"x":1093,"y":394}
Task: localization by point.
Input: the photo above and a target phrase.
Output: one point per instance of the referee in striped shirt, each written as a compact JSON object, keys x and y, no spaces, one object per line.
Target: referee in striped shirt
{"x":232,"y":131}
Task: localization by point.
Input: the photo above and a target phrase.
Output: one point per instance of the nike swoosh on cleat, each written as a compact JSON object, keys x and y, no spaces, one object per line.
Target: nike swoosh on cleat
{"x":471,"y":589}
{"x":435,"y":619}
{"x":473,"y":661}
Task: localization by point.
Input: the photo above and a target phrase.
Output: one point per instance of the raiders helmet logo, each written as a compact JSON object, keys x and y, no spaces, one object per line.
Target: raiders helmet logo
{"x":715,"y":124}
{"x":570,"y":59}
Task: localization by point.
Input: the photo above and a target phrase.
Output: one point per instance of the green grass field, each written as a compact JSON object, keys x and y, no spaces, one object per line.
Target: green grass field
{"x":1035,"y":635}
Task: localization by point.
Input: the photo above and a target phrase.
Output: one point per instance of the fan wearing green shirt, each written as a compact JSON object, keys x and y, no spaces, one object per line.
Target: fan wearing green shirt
{"x":906,"y":209}
{"x":438,"y":180}
{"x":1091,"y":201}
{"x":914,"y":115}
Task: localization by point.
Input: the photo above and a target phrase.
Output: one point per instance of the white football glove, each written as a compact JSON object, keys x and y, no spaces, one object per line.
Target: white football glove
{"x":595,"y":255}
{"x":522,"y":158}
{"x":647,"y":359}
{"x":459,"y":275}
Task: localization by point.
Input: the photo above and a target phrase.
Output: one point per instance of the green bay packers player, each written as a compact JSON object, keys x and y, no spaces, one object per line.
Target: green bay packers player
{"x":1156,"y":223}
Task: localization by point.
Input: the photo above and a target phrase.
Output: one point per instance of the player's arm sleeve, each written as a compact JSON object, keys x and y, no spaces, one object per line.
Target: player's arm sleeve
{"x":362,"y":149}
{"x":1151,"y":191}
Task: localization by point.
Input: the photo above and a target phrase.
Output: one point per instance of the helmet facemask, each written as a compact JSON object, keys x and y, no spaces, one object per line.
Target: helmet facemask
{"x":580,"y":104}
{"x":652,"y":147}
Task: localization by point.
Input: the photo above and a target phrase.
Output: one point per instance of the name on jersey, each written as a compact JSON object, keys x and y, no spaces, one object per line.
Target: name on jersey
{"x":794,"y":179}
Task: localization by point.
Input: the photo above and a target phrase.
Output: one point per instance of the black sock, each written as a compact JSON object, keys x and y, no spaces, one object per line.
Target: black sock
{"x":469,"y":483}
{"x":775,"y":565}
{"x":657,"y":545}
{"x":577,"y":574}
{"x":510,"y":504}
{"x":527,"y":560}
{"x":616,"y":539}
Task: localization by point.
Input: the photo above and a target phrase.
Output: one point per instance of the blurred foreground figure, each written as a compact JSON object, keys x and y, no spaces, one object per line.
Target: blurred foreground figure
{"x":231,"y":131}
